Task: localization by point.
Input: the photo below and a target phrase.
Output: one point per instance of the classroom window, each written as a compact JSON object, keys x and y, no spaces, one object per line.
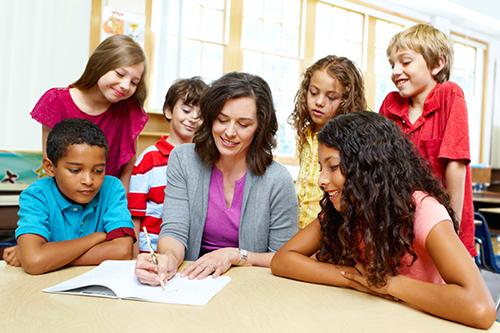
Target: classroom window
{"x":278,"y":39}
{"x":270,"y":44}
{"x":202,"y":38}
{"x":467,"y":72}
{"x":338,"y":31}
{"x":384,"y":31}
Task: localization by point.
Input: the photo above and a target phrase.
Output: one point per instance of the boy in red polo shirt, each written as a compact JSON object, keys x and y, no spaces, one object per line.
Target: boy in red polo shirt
{"x":432,"y":111}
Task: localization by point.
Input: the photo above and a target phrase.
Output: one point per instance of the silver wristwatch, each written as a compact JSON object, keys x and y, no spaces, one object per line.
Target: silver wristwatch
{"x":243,"y":257}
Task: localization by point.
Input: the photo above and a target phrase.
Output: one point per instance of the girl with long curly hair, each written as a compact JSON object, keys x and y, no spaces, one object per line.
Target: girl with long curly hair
{"x":386,"y":226}
{"x":331,"y":86}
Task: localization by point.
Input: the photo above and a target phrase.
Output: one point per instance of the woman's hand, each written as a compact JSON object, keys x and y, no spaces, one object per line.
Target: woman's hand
{"x":148,"y":272}
{"x":216,"y":262}
{"x":11,"y":257}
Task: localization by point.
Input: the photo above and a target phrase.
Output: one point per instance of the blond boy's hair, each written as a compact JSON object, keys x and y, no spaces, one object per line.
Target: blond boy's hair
{"x":430,"y":42}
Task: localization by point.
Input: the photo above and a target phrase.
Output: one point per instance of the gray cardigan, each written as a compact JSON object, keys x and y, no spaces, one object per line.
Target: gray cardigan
{"x":268,"y":212}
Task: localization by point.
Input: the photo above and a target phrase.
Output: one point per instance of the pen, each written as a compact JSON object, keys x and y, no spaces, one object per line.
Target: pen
{"x":154,"y":258}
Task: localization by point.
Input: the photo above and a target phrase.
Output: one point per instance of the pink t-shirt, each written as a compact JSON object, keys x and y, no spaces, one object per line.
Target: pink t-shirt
{"x":121,"y":123}
{"x":428,"y":213}
{"x":222,"y":224}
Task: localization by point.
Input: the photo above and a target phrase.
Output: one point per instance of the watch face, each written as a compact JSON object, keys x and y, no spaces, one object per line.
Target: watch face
{"x":243,"y":257}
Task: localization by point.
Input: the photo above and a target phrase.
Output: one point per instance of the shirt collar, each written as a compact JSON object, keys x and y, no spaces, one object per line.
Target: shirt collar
{"x":64,"y":203}
{"x":399,"y":105}
{"x":164,"y":146}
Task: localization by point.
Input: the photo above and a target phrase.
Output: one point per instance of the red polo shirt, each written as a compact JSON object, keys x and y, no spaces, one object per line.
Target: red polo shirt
{"x":441,"y":134}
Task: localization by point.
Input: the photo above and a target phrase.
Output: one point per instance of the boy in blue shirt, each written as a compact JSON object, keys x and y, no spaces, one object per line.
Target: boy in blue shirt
{"x":78,"y":216}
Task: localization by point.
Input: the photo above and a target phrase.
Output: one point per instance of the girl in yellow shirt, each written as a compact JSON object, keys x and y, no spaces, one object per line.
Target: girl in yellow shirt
{"x":331,"y":86}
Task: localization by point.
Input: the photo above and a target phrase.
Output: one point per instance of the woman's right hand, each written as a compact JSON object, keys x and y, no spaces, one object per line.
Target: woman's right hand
{"x":149,"y":273}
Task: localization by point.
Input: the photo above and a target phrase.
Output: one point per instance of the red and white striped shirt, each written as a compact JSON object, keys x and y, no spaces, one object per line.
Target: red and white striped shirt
{"x":147,"y":186}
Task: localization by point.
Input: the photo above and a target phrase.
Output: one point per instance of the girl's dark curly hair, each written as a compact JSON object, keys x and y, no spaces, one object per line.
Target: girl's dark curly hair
{"x":353,"y":99}
{"x":382,"y":170}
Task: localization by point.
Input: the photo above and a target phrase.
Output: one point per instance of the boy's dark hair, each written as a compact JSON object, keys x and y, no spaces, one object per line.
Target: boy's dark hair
{"x":232,"y":86}
{"x":189,"y":90}
{"x":73,"y":131}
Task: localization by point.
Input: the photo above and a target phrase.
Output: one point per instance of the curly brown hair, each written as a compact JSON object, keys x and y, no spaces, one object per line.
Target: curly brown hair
{"x":382,"y":170}
{"x":353,"y":99}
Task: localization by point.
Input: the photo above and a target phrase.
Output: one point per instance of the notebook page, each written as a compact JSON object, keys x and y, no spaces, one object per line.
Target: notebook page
{"x":118,"y":275}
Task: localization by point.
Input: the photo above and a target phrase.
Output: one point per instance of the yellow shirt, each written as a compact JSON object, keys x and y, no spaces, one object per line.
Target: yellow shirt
{"x":309,"y":193}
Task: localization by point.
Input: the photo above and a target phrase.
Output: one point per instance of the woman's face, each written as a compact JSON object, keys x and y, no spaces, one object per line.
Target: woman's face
{"x":331,"y":178}
{"x":234,"y":128}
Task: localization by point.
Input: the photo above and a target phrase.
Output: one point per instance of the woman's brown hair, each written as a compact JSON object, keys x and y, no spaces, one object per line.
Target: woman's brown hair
{"x":231,"y":86}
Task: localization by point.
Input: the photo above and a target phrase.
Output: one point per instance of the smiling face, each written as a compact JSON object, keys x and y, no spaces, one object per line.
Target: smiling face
{"x":410,"y":74}
{"x":184,"y":121}
{"x":121,"y":83}
{"x":331,"y":179}
{"x":323,"y":98}
{"x":80,"y":172}
{"x":234,"y":128}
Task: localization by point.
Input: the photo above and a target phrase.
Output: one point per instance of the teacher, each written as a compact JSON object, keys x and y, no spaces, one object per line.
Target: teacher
{"x":226,"y":201}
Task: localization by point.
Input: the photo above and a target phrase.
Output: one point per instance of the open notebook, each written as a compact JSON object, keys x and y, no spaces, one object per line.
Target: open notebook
{"x":116,"y":279}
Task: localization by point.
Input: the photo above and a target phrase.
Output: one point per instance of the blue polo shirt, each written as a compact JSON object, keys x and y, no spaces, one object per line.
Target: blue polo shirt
{"x":44,"y":211}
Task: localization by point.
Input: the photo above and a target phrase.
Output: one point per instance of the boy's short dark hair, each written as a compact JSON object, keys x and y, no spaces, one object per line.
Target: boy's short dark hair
{"x":73,"y":131}
{"x":190,"y":90}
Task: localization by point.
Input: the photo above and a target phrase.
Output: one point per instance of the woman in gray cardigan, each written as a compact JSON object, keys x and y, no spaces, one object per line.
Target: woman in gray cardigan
{"x":226,"y":201}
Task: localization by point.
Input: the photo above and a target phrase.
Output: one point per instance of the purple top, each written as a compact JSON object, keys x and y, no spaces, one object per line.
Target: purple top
{"x":222,"y":223}
{"x":121,"y":123}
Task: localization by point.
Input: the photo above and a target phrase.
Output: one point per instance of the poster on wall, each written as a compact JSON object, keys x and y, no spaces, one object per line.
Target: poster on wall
{"x":19,"y":168}
{"x":117,"y":22}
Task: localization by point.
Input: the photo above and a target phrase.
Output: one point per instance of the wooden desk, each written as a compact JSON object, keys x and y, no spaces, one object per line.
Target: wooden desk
{"x":9,"y":205}
{"x":254,"y":301}
{"x":486,"y":199}
{"x":492,"y":215}
{"x":492,"y":210}
{"x":9,"y":200}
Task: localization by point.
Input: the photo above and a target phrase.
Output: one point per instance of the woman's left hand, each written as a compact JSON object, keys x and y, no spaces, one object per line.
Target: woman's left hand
{"x":361,"y":277}
{"x":216,"y":263}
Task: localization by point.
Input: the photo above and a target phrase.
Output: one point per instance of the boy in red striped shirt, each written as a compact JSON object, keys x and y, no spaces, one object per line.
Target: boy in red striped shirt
{"x":149,"y":176}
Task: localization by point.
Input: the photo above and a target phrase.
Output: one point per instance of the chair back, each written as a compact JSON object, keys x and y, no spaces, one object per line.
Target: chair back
{"x":482,"y":233}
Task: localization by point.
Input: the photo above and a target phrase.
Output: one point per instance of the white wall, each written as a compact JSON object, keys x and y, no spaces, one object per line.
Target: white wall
{"x":43,"y":44}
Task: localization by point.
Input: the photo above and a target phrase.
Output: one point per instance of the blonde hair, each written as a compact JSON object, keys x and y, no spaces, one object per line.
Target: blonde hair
{"x":430,"y":42}
{"x":114,"y":52}
{"x":353,"y":99}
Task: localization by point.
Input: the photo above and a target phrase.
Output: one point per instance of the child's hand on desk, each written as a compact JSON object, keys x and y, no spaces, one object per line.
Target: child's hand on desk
{"x":11,"y":257}
{"x":358,"y":276}
{"x":148,"y":272}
